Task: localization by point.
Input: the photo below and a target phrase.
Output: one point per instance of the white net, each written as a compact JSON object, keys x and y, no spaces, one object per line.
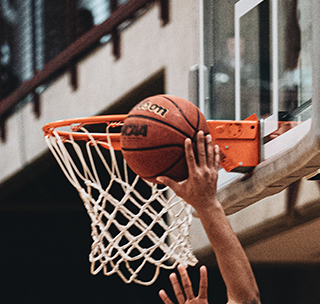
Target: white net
{"x":137,"y":227}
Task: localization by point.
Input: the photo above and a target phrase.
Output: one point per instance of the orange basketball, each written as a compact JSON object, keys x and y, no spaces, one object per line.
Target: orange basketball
{"x":153,"y":135}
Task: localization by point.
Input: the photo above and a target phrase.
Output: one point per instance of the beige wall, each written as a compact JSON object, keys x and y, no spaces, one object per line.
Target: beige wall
{"x":146,"y":48}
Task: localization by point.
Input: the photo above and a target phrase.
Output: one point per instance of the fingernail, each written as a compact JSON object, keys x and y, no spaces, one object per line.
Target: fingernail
{"x":160,"y":180}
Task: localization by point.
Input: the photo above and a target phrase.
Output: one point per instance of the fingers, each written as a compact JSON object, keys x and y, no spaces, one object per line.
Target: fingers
{"x":208,"y":154}
{"x":203,"y":285}
{"x":186,"y":282}
{"x":213,"y":153}
{"x":176,"y":187}
{"x":176,"y":288}
{"x":190,"y":158}
{"x":202,"y":153}
{"x":210,"y":151}
{"x":216,"y":157}
{"x":166,"y":181}
{"x":187,"y":291}
{"x":164,"y":297}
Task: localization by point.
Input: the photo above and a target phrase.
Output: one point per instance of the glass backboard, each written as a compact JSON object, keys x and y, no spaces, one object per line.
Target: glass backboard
{"x":261,"y":57}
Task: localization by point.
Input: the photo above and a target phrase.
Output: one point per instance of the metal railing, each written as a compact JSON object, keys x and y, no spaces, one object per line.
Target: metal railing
{"x":67,"y":58}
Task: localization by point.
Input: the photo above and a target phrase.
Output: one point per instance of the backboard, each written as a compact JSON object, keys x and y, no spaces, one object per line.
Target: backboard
{"x":264,"y":60}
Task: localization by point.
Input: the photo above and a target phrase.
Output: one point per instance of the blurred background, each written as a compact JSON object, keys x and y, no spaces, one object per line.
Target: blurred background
{"x":76,"y":58}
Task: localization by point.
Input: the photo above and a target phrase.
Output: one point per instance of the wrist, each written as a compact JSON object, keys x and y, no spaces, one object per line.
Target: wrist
{"x":209,"y":207}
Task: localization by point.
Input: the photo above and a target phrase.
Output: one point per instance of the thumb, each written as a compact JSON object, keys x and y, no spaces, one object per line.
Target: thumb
{"x":167,"y":181}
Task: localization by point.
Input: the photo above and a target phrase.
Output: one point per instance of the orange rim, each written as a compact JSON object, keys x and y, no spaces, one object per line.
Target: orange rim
{"x":76,"y":123}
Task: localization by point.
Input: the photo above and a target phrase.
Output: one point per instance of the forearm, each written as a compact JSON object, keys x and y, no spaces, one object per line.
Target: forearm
{"x":199,"y":190}
{"x":231,"y":258}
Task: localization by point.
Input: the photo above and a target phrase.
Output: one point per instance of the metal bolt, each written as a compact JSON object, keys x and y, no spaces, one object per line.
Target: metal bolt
{"x":240,"y":163}
{"x":227,"y":147}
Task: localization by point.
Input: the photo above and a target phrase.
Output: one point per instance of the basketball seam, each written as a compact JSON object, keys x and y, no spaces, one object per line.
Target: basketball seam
{"x":198,"y":123}
{"x":159,"y":121}
{"x":167,"y":169}
{"x":196,"y":129}
{"x":181,"y":111}
{"x":153,"y":148}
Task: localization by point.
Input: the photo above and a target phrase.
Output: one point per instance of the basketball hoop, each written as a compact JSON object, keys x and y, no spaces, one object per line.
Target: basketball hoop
{"x":136,"y":225}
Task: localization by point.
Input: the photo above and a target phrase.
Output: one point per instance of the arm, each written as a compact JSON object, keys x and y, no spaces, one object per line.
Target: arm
{"x":199,"y":190}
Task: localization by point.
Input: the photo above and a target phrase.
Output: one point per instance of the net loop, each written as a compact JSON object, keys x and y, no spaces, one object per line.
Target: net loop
{"x":76,"y":128}
{"x":114,"y":124}
{"x":137,"y":227}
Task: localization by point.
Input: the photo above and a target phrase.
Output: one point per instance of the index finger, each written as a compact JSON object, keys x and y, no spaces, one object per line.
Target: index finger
{"x":164,"y":297}
{"x":176,"y":288}
{"x":190,"y":158}
{"x":203,"y":285}
{"x":186,"y":282}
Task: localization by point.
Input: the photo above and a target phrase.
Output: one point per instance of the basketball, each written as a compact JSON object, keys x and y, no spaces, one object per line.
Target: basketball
{"x":153,"y":135}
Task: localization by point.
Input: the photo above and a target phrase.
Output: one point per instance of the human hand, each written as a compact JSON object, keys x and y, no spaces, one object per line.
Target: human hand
{"x":199,"y":190}
{"x":187,"y":297}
